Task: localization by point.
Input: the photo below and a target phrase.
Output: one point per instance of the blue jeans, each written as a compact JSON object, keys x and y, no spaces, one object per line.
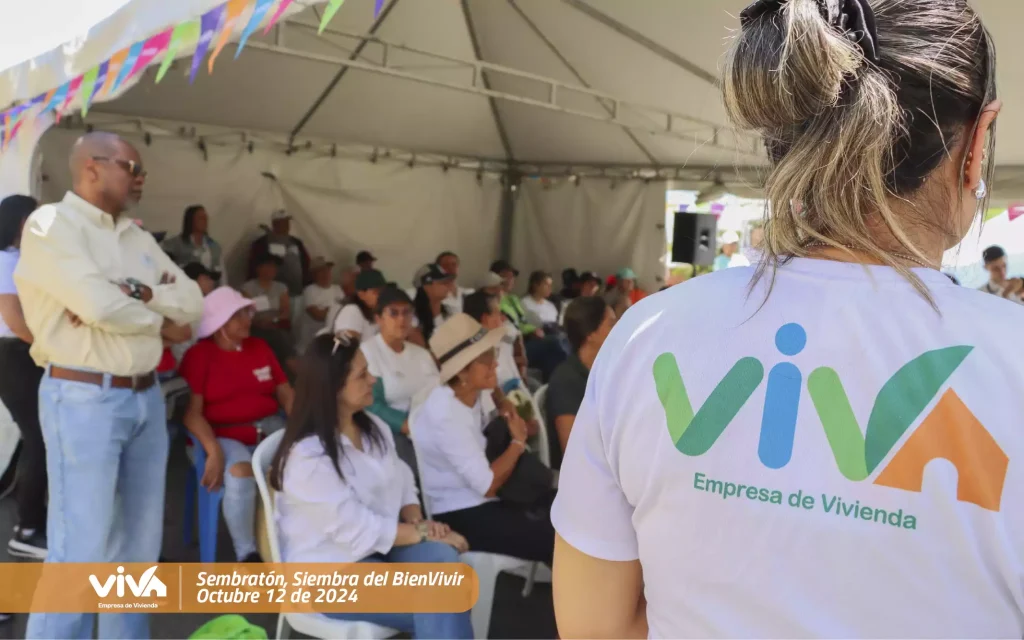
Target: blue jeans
{"x":421,"y":625}
{"x":106,"y":454}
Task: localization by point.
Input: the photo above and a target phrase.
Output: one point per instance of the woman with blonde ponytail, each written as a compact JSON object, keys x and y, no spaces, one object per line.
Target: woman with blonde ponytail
{"x":824,"y":444}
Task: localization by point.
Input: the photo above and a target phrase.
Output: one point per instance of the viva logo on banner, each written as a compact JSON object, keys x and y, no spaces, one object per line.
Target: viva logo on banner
{"x":950,"y":431}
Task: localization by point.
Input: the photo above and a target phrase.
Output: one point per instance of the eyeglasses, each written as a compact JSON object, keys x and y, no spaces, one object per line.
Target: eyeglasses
{"x":395,"y":314}
{"x":133,"y":168}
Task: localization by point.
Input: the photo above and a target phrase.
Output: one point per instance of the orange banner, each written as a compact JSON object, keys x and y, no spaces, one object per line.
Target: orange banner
{"x":237,"y":588}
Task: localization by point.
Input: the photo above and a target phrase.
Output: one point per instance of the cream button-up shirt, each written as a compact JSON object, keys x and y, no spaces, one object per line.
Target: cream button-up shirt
{"x":73,"y":257}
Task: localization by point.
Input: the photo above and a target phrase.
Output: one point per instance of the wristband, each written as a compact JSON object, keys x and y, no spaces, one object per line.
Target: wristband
{"x":520,"y":443}
{"x":423,"y":530}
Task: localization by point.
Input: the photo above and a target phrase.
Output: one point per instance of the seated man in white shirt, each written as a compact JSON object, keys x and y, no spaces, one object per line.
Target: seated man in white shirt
{"x":449,"y":263}
{"x":998,"y":284}
{"x":100,"y":297}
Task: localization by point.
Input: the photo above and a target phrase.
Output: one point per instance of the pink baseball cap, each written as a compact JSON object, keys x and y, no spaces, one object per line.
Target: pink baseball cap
{"x":218,"y":307}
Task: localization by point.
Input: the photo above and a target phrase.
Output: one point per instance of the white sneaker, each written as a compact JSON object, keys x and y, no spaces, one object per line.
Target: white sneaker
{"x":28,"y":543}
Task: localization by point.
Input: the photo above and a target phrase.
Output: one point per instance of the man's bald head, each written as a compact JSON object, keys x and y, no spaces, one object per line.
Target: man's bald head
{"x":101,"y":171}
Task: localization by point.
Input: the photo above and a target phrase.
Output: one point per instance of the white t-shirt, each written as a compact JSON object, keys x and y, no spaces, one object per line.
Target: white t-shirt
{"x":351,"y":318}
{"x":316,"y":296}
{"x":507,"y":368}
{"x":540,"y":313}
{"x":8,"y":260}
{"x":988,"y":287}
{"x":745,"y":522}
{"x":450,"y":451}
{"x":454,"y":301}
{"x":405,"y":374}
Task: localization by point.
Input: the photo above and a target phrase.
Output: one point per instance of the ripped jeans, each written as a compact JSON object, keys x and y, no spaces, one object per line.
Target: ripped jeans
{"x":239,"y":503}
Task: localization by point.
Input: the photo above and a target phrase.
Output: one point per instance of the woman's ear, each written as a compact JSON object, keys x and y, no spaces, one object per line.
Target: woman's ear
{"x":975,"y":166}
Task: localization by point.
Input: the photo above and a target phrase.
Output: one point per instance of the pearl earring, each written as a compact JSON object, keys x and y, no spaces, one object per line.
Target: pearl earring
{"x":981,"y":191}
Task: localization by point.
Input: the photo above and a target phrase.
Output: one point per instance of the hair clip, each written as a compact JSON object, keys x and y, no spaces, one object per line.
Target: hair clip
{"x":854,"y":18}
{"x":341,"y":339}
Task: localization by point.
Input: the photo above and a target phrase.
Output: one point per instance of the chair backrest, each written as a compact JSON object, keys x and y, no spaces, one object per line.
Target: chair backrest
{"x":261,"y":459}
{"x":428,"y":510}
{"x":540,"y":413}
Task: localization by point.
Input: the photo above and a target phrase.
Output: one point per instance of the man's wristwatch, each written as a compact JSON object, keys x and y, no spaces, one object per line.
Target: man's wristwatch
{"x":134,"y":288}
{"x":423,"y":530}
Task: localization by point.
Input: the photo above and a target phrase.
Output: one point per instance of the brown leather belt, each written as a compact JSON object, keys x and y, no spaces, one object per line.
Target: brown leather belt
{"x":135,"y":383}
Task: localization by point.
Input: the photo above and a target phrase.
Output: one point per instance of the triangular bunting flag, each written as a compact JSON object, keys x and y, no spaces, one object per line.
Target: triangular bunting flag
{"x":259,"y":11}
{"x":208,"y":25}
{"x":113,"y":71}
{"x":377,"y":6}
{"x":332,"y":8}
{"x":277,"y":15}
{"x":1016,"y":210}
{"x":153,"y":47}
{"x":91,"y":86}
{"x":184,"y":32}
{"x":71,"y":95}
{"x":126,"y":67}
{"x":231,"y":15}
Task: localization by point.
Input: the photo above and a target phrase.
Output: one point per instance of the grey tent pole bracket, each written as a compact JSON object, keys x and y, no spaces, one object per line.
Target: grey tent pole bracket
{"x":332,"y":85}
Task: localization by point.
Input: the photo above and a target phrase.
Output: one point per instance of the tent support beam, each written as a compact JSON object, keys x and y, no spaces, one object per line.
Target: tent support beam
{"x":642,"y":40}
{"x":701,"y":133}
{"x":498,"y":123}
{"x":332,"y":85}
{"x":506,"y":219}
{"x":579,"y":77}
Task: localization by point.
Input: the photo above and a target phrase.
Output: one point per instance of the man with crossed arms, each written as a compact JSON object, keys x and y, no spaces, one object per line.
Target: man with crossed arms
{"x":101,"y":299}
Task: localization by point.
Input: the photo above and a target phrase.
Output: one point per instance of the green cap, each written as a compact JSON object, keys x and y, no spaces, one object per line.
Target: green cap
{"x":625,"y":273}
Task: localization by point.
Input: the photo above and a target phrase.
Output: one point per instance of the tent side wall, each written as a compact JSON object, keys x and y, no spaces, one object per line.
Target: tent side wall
{"x":598,"y":224}
{"x":406,"y":216}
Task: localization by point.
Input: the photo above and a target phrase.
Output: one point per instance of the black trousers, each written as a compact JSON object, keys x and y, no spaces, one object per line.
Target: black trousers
{"x":501,"y":527}
{"x":19,"y":391}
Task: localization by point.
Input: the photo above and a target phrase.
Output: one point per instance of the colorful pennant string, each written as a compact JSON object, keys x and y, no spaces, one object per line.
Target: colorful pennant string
{"x":233,"y":11}
{"x":259,"y":11}
{"x":332,"y":8}
{"x":277,"y":15}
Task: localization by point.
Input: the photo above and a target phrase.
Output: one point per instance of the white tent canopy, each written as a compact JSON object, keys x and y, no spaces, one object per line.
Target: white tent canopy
{"x":603,"y":89}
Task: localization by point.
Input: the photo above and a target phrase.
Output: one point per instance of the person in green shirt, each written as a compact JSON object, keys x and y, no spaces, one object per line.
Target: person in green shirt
{"x":542,"y":351}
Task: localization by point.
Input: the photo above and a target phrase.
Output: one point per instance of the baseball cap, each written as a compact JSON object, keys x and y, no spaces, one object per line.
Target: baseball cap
{"x":391,"y":295}
{"x":589,"y":276}
{"x":729,"y":237}
{"x":434,"y":273}
{"x":503,"y":265}
{"x":370,"y":279}
{"x":280,"y":214}
{"x":625,"y":273}
{"x":992,"y":254}
{"x":320,"y":262}
{"x":365,"y":256}
{"x":194,"y":269}
{"x":491,"y":279}
{"x":267,"y":258}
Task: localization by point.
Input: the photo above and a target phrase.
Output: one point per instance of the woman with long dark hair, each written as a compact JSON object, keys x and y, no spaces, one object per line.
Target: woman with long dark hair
{"x":343,"y":494}
{"x":19,"y":387}
{"x":194,"y":243}
{"x":356,"y":315}
{"x":827,"y":443}
{"x":429,"y":309}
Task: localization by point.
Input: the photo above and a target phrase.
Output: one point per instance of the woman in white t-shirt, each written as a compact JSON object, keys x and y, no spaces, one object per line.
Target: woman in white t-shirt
{"x":318,"y":298}
{"x":429,"y":310}
{"x":458,"y":481}
{"x":540,"y":311}
{"x":405,"y":372}
{"x":826,"y":445}
{"x":355,"y":315}
{"x":342,"y":493}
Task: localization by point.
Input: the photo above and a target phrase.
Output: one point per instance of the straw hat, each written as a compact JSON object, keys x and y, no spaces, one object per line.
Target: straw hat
{"x":460,"y":341}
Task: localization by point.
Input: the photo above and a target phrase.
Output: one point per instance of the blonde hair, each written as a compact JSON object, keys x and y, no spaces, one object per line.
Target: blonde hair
{"x":846,"y":136}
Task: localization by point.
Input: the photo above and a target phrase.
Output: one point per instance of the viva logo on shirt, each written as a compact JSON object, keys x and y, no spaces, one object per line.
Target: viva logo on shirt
{"x":950,"y":431}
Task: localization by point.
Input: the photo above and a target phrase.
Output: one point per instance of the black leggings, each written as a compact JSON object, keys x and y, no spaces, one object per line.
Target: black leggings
{"x":501,"y":527}
{"x":19,"y":391}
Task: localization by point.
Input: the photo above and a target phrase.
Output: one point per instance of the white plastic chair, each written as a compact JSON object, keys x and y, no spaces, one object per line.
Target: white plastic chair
{"x":540,"y":443}
{"x":486,"y":565}
{"x":311,"y":624}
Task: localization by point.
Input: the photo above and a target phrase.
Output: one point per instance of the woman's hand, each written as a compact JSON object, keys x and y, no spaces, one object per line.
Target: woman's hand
{"x":456,"y":541}
{"x":516,"y":426}
{"x":437,"y":530}
{"x":539,"y":333}
{"x":405,"y":427}
{"x":213,"y":473}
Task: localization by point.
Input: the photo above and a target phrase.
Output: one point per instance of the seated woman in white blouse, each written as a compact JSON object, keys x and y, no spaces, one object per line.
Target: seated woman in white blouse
{"x":356,"y":313}
{"x":404,"y":371}
{"x":540,"y":311}
{"x":343,"y":494}
{"x":459,"y":482}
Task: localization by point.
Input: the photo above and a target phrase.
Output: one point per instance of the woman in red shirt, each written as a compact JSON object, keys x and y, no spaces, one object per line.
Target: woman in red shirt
{"x":238,"y":391}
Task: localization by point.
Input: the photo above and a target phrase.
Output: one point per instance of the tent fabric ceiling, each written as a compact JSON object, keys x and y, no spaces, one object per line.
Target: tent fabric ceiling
{"x":665,"y":53}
